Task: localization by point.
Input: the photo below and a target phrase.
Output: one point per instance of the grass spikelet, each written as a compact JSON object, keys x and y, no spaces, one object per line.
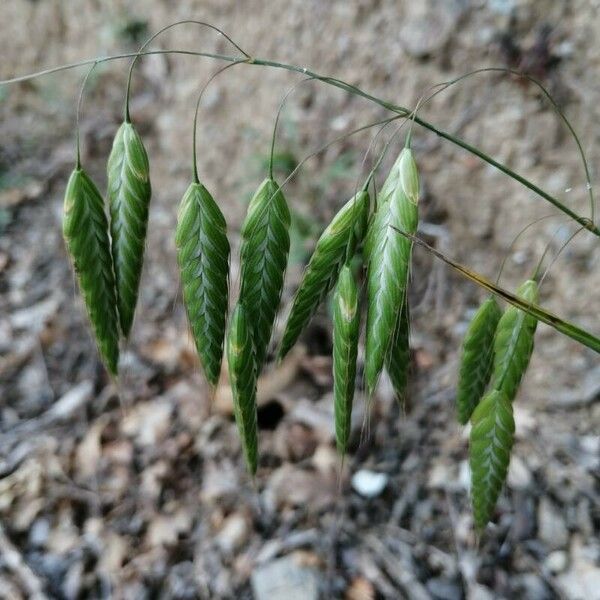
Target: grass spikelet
{"x":242,"y":378}
{"x":491,"y":441}
{"x":85,"y":229}
{"x":388,"y":254}
{"x":321,"y":273}
{"x":346,"y":321}
{"x":397,"y":362}
{"x":129,"y":193}
{"x":203,"y":257}
{"x":513,"y":343}
{"x":477,"y":358}
{"x":264,"y":254}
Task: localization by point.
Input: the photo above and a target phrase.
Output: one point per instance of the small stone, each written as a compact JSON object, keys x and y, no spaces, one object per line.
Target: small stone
{"x":233,"y":534}
{"x":285,"y":579}
{"x":439,"y":476}
{"x":519,"y":476}
{"x":428,"y":25}
{"x":369,"y":483}
{"x":360,"y":589}
{"x":38,"y":534}
{"x":531,"y":586}
{"x":552,"y":529}
{"x":149,"y":423}
{"x":556,"y":562}
{"x":292,"y":486}
{"x":479,"y":592}
{"x":582,"y":580}
{"x":444,"y":589}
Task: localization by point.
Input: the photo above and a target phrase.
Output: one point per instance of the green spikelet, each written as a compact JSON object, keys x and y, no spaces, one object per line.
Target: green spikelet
{"x":346,"y":320}
{"x":242,"y":377}
{"x":513,"y":344}
{"x":264,"y":253}
{"x":129,"y":194}
{"x":477,"y":358}
{"x":388,"y":254}
{"x":397,"y":361}
{"x":203,"y":257}
{"x":492,"y":437}
{"x":323,"y":267}
{"x":85,"y":229}
{"x":390,"y":184}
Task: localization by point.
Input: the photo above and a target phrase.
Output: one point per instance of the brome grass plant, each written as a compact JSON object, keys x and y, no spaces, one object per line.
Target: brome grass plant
{"x":108,"y":257}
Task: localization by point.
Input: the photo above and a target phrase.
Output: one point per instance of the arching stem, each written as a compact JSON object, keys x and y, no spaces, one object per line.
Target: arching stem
{"x":195,"y":127}
{"x":77,"y":119}
{"x":585,"y":222}
{"x":154,"y":36}
{"x":277,"y":117}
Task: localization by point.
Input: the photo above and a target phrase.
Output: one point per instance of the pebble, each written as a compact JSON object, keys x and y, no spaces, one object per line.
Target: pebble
{"x":148,"y":422}
{"x":38,"y":533}
{"x":233,"y":534}
{"x":428,"y":25}
{"x":552,"y":529}
{"x":532,"y":587}
{"x":444,"y":589}
{"x":285,"y":579}
{"x":369,"y":483}
{"x":519,"y":476}
{"x":556,"y":562}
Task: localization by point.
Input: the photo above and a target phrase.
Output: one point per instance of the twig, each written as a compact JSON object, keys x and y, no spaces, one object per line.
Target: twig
{"x":13,"y":559}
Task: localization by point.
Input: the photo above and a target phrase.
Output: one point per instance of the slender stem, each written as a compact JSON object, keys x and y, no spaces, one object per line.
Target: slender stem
{"x":399,"y":110}
{"x":516,"y":239}
{"x":108,"y":58}
{"x":154,"y":36}
{"x":195,"y":127}
{"x":279,"y":111}
{"x":557,"y":255}
{"x":569,"y":329}
{"x":550,"y":99}
{"x":583,"y":221}
{"x":79,"y":102}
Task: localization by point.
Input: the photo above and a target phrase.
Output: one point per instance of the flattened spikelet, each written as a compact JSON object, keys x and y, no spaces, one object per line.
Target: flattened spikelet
{"x":129,"y":194}
{"x":397,"y":361}
{"x":513,"y":344}
{"x":264,"y":253}
{"x":85,"y":230}
{"x":346,"y":320}
{"x":391,"y":182}
{"x":388,"y":254}
{"x":321,"y":273}
{"x":492,"y":436}
{"x":203,"y":257}
{"x":477,"y":358}
{"x":242,"y":378}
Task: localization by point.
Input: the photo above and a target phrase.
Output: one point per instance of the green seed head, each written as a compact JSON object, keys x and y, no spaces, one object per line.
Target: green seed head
{"x":409,"y":176}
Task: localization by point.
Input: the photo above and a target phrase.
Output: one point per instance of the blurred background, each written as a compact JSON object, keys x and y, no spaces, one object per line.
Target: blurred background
{"x":138,"y":490}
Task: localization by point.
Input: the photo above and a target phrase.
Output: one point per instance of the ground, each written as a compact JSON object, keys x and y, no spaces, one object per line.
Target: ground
{"x":136,"y":488}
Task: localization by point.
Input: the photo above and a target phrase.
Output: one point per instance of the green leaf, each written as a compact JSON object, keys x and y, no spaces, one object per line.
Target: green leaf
{"x":346,"y":321}
{"x":513,"y":344}
{"x":323,"y":267}
{"x":203,"y":257}
{"x":492,"y":436}
{"x":129,"y":193}
{"x":242,"y":377}
{"x":264,"y":253}
{"x":477,"y":358}
{"x":85,"y":230}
